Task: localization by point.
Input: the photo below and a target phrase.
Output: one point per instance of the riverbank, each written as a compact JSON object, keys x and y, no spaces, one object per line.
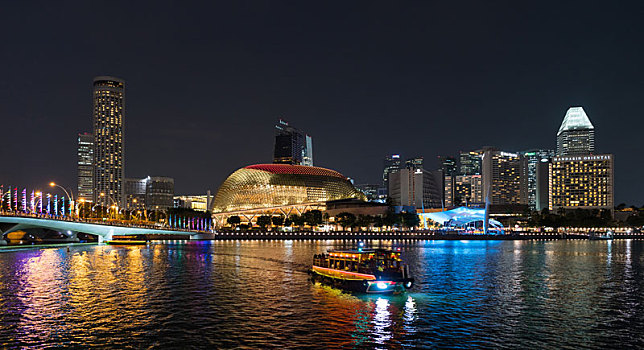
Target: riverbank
{"x":412,"y":235}
{"x":12,"y":248}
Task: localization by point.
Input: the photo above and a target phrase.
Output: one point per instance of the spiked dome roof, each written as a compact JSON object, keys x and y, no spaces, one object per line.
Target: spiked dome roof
{"x":575,"y":119}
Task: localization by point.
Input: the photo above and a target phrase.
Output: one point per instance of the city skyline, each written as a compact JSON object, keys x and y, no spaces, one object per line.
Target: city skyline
{"x":178,"y":116}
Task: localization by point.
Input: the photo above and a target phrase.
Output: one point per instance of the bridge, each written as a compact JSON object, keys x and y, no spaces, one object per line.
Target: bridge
{"x":105,"y":232}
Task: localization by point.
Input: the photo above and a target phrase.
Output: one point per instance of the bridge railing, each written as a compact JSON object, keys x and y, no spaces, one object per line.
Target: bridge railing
{"x":109,"y":222}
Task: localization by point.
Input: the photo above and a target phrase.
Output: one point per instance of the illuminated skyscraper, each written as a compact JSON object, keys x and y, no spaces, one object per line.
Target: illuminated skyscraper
{"x":504,"y":177}
{"x":86,"y":167}
{"x":392,"y":163}
{"x":469,"y":163}
{"x":576,"y":134}
{"x":448,"y":164}
{"x":109,"y":165}
{"x":533,"y":159}
{"x":416,"y":187}
{"x":292,"y":146}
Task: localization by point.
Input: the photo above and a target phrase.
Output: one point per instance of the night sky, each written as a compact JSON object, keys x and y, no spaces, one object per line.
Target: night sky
{"x":206,"y":84}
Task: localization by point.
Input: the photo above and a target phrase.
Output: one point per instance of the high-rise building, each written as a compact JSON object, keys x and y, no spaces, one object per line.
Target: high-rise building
{"x":463,"y":190}
{"x":581,"y":182}
{"x":86,"y":167}
{"x":469,"y":163}
{"x":576,"y":134}
{"x":292,"y":146}
{"x":391,"y":163}
{"x":135,"y":193}
{"x":416,"y":187}
{"x":109,"y":161}
{"x":504,"y":177}
{"x":448,"y":165}
{"x":152,"y":192}
{"x":414,"y":163}
{"x":533,"y":159}
{"x":159,"y":192}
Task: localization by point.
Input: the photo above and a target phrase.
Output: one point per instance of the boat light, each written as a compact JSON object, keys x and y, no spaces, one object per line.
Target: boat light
{"x":381,"y":285}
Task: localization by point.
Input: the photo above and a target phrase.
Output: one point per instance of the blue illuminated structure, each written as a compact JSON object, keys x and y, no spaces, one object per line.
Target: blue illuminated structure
{"x":463,"y":217}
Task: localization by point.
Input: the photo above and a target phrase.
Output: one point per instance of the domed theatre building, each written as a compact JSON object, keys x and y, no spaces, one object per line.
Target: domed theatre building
{"x":279,"y":189}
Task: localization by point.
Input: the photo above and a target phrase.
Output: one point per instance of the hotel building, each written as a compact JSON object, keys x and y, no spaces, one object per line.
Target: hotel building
{"x":581,"y":182}
{"x":86,"y":167}
{"x":109,"y":162}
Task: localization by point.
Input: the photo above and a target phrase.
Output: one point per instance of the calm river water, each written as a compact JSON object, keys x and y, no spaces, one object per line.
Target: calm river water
{"x":256,"y":294}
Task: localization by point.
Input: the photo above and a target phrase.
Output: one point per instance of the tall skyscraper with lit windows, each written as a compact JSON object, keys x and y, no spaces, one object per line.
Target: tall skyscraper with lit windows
{"x":109,"y":161}
{"x":86,"y":167}
{"x":576,"y":134}
{"x":292,"y":146}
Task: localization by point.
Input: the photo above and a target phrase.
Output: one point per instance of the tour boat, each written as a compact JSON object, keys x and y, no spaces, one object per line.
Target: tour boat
{"x":364,"y":270}
{"x":594,"y":236}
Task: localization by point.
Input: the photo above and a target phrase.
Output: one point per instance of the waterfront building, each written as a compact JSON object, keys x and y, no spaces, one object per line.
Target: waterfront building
{"x":135,"y":193}
{"x":279,"y":189}
{"x":194,"y":202}
{"x":533,"y":159}
{"x":463,"y":190}
{"x":581,"y":182}
{"x":543,"y":184}
{"x":469,"y":163}
{"x":109,"y":161}
{"x":416,"y":187}
{"x":576,"y":134}
{"x":391,"y":163}
{"x":151,"y":193}
{"x":86,"y":167}
{"x":504,"y":177}
{"x":159,"y":192}
{"x":292,"y":146}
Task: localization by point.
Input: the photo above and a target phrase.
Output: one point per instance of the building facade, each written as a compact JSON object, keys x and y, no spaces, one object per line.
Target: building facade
{"x":86,"y":167}
{"x":533,"y":159}
{"x":194,"y":202}
{"x":292,"y":146}
{"x":151,"y":193}
{"x":109,"y":161}
{"x":463,"y":190}
{"x":448,"y":165}
{"x":469,"y":163}
{"x":576,"y":134}
{"x":416,"y":187}
{"x":391,"y":164}
{"x":504,"y":177}
{"x":581,"y":182}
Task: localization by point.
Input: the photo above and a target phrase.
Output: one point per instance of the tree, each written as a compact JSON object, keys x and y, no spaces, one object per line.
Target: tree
{"x":345,"y":219}
{"x":278,"y":220}
{"x":264,"y":221}
{"x":233,"y":220}
{"x":364,"y":221}
{"x":410,"y":220}
{"x":297,"y":220}
{"x":313,"y":217}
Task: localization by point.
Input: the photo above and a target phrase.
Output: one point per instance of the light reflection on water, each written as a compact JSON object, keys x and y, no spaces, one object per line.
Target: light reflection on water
{"x":545,"y":294}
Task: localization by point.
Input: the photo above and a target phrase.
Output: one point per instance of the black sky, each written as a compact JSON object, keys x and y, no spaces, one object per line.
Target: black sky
{"x":206,"y":83}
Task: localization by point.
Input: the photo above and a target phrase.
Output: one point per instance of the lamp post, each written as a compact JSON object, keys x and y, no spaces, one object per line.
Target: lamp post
{"x":69,"y":194}
{"x":114,"y":205}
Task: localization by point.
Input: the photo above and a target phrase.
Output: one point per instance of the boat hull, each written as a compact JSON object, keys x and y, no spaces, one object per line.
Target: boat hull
{"x":369,"y":286}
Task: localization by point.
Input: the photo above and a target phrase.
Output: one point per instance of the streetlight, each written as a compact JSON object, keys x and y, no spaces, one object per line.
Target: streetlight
{"x":69,"y":194}
{"x":115,"y":205}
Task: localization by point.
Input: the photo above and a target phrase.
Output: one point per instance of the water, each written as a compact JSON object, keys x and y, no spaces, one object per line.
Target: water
{"x":256,"y":294}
